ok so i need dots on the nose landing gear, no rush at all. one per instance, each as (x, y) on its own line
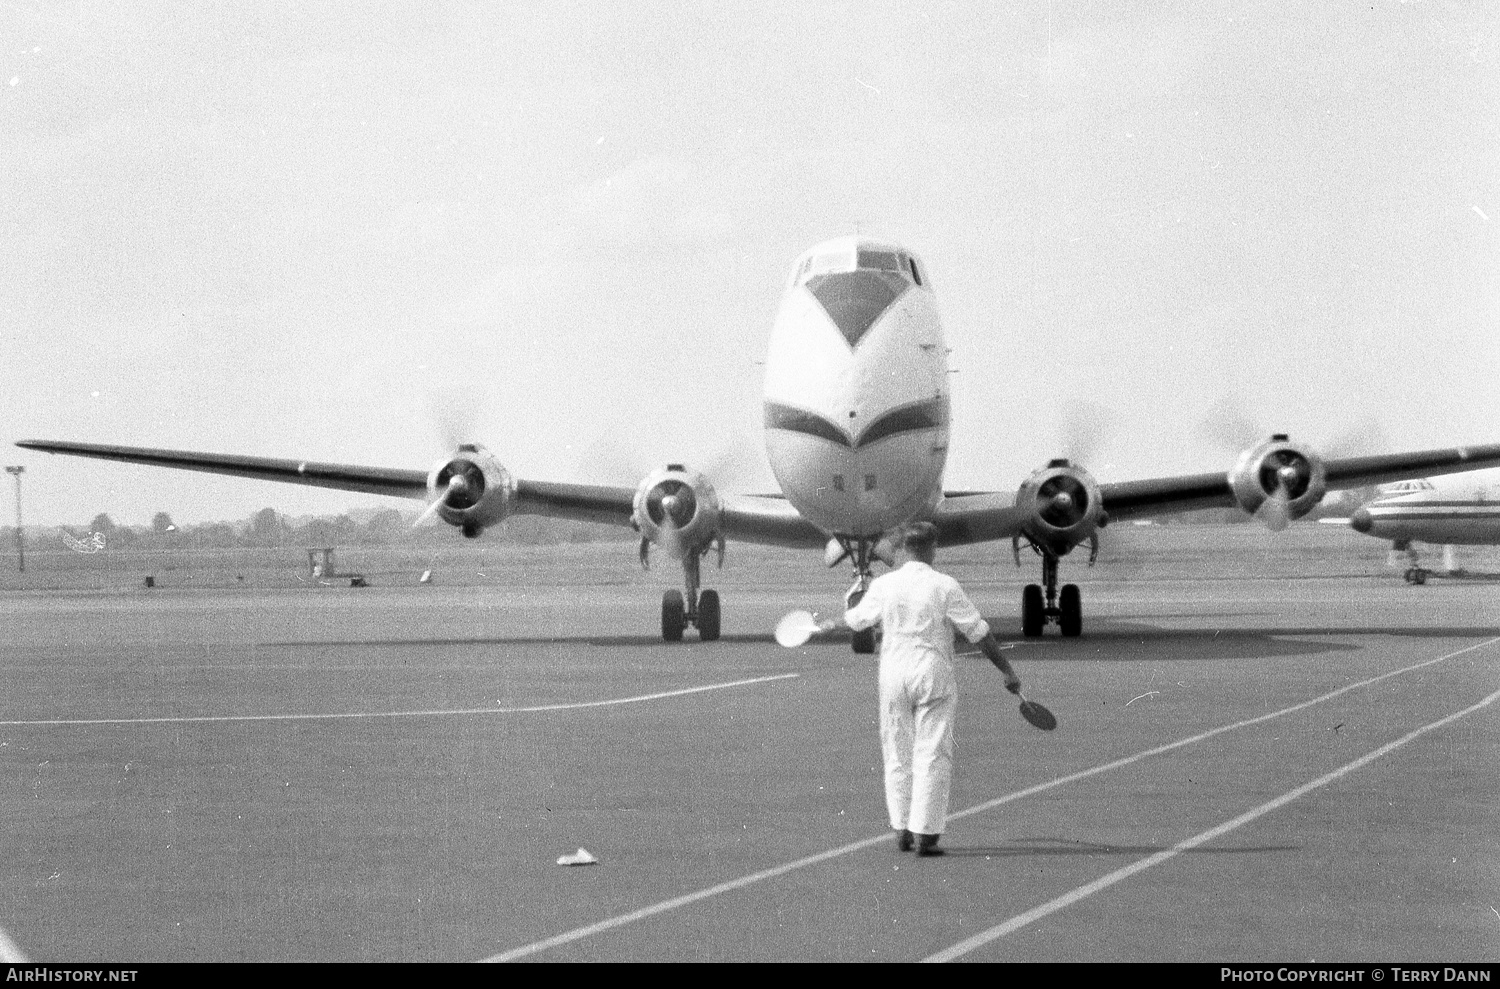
(863, 553)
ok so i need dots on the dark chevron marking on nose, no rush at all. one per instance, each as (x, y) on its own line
(854, 300)
(796, 420)
(927, 414)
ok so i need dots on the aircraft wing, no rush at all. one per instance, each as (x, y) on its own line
(1165, 495)
(748, 518)
(967, 517)
(976, 516)
(769, 520)
(369, 480)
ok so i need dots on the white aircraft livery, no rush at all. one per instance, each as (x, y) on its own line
(1457, 510)
(856, 421)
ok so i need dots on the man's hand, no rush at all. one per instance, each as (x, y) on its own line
(994, 652)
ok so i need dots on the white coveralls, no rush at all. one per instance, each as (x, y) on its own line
(917, 608)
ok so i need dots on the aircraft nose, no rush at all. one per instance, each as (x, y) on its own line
(1361, 520)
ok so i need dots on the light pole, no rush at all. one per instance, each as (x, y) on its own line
(20, 540)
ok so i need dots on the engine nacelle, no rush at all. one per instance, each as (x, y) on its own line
(471, 489)
(678, 510)
(1065, 506)
(1279, 480)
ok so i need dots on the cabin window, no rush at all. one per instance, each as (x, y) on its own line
(869, 482)
(915, 275)
(838, 482)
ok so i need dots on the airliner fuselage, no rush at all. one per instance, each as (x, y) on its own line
(1460, 509)
(856, 389)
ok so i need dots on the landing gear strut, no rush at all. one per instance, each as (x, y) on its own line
(680, 609)
(1042, 605)
(862, 552)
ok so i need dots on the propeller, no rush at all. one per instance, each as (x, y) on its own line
(1063, 501)
(1284, 476)
(671, 505)
(1228, 426)
(463, 489)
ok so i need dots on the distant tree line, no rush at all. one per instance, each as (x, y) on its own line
(389, 526)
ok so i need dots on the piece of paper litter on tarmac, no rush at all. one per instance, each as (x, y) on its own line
(580, 857)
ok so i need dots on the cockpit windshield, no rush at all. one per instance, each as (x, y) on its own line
(863, 259)
(1406, 487)
(880, 260)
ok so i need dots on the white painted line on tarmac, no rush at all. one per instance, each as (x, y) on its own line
(681, 901)
(1068, 899)
(1127, 760)
(610, 923)
(9, 953)
(404, 714)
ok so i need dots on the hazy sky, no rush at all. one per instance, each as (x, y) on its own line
(344, 231)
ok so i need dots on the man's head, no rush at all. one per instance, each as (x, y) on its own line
(918, 541)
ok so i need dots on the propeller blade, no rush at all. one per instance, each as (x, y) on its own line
(453, 411)
(1273, 512)
(1227, 425)
(670, 538)
(1363, 439)
(456, 483)
(1086, 430)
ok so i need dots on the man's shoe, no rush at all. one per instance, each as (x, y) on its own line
(927, 845)
(903, 840)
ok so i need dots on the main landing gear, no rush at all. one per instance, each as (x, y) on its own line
(1418, 574)
(679, 609)
(1041, 604)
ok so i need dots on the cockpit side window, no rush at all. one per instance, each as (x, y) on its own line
(916, 276)
(801, 275)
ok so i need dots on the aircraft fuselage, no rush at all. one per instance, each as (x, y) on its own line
(856, 389)
(1460, 509)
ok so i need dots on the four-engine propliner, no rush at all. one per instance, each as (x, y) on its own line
(857, 418)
